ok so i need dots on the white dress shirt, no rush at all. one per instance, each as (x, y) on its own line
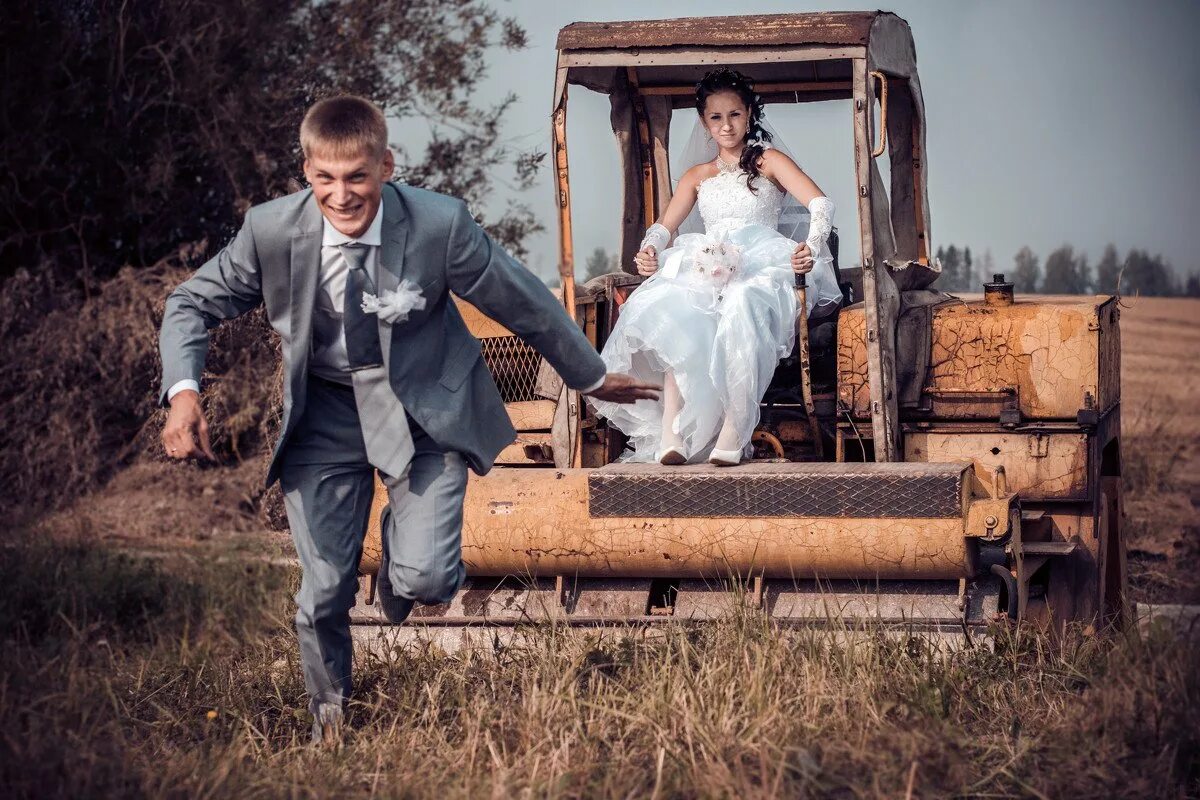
(329, 358)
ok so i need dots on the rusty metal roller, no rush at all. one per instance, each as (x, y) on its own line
(777, 520)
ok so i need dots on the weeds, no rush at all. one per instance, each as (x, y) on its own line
(1160, 524)
(131, 677)
(1152, 456)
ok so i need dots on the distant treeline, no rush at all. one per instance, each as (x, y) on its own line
(1064, 272)
(1067, 272)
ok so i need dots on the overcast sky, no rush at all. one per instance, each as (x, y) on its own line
(1063, 121)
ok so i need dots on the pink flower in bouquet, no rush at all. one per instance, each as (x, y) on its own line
(721, 273)
(718, 262)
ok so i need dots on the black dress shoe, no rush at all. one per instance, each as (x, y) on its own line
(395, 608)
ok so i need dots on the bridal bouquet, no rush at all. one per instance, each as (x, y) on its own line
(716, 263)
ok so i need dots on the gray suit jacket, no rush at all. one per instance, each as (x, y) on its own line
(434, 362)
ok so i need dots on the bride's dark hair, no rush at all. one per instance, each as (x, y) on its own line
(730, 80)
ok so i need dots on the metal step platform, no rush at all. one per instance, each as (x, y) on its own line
(771, 489)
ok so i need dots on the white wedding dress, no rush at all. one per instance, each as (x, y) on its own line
(722, 342)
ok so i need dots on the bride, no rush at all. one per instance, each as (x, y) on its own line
(718, 309)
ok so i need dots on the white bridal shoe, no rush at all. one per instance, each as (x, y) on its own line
(725, 458)
(671, 456)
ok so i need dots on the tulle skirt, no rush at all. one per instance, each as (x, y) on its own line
(721, 341)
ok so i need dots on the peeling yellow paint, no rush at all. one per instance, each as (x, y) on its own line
(1035, 465)
(1052, 352)
(542, 527)
(548, 532)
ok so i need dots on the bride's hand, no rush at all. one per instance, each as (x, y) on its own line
(802, 260)
(646, 261)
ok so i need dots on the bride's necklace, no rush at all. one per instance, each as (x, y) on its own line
(725, 166)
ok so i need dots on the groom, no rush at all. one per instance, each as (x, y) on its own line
(395, 383)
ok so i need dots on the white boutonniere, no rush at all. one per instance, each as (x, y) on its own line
(393, 305)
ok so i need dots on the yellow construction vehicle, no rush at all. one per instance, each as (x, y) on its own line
(922, 459)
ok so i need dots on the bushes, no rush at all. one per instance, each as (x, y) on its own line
(155, 123)
(79, 392)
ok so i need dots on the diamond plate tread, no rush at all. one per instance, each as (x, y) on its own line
(907, 490)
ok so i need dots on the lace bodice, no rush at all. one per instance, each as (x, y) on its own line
(727, 203)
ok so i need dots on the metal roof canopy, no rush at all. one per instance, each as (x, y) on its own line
(833, 28)
(650, 67)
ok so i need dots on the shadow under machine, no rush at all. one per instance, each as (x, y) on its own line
(926, 460)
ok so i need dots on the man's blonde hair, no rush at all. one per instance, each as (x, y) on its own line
(344, 126)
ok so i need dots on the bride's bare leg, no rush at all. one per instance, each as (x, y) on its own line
(671, 444)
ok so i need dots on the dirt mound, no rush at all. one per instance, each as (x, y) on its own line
(79, 400)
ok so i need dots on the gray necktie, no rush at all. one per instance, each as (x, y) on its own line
(380, 413)
(362, 329)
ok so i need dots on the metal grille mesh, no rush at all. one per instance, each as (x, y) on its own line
(514, 367)
(849, 492)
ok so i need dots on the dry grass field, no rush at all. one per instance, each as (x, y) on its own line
(1160, 400)
(147, 652)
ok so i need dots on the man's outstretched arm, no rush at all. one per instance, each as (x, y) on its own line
(227, 285)
(480, 272)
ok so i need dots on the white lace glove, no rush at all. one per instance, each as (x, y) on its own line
(657, 236)
(820, 210)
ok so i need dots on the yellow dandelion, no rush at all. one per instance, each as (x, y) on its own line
(212, 713)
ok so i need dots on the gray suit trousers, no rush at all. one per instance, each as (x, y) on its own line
(327, 485)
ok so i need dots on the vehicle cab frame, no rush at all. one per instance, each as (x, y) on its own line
(648, 68)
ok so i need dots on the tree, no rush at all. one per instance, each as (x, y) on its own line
(987, 267)
(156, 124)
(1148, 275)
(951, 258)
(1108, 271)
(960, 273)
(600, 263)
(1192, 287)
(1026, 272)
(1083, 275)
(1066, 274)
(1060, 267)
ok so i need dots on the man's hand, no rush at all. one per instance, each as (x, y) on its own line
(646, 260)
(621, 388)
(186, 433)
(802, 259)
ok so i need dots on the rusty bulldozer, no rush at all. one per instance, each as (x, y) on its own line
(923, 460)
